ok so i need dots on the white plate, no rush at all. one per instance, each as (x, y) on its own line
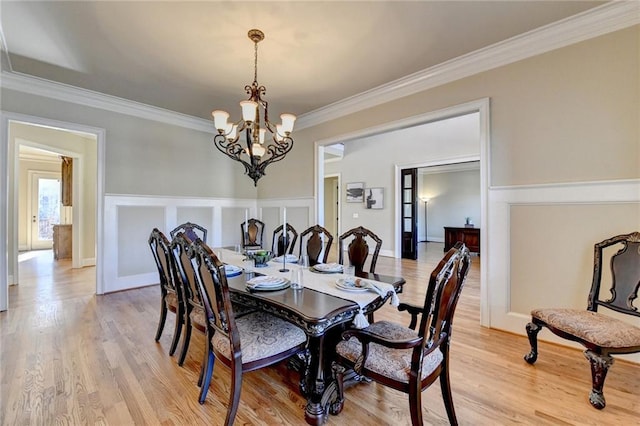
(290, 259)
(266, 281)
(232, 270)
(348, 286)
(328, 267)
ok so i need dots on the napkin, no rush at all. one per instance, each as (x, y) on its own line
(381, 288)
(290, 259)
(360, 321)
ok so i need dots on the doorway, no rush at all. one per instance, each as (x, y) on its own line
(87, 190)
(430, 155)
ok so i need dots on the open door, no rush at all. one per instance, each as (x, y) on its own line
(408, 209)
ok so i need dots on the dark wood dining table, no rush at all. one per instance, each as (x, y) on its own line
(323, 317)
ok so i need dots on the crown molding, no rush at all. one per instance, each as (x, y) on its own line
(64, 92)
(601, 20)
(592, 23)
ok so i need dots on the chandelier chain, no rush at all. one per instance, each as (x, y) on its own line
(255, 62)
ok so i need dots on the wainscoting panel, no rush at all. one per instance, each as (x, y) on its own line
(540, 246)
(128, 262)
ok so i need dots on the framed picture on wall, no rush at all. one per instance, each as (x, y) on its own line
(374, 198)
(355, 192)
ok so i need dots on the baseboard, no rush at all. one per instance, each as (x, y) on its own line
(90, 261)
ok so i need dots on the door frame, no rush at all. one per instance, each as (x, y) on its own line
(482, 107)
(9, 239)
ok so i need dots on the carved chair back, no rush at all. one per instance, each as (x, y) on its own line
(191, 230)
(162, 255)
(284, 243)
(181, 247)
(171, 290)
(625, 275)
(358, 249)
(213, 284)
(252, 233)
(318, 241)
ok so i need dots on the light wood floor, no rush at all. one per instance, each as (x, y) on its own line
(70, 357)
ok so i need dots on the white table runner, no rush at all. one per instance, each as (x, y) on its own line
(325, 283)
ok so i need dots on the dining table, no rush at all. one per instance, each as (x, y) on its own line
(322, 308)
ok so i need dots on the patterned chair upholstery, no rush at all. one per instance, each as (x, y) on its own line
(601, 335)
(242, 344)
(403, 358)
(170, 287)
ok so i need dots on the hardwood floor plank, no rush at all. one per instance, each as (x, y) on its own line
(71, 357)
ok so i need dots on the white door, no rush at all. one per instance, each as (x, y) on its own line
(45, 208)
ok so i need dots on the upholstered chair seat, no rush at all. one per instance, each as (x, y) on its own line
(592, 327)
(198, 318)
(261, 336)
(172, 299)
(389, 362)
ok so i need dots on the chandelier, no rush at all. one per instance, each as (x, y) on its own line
(253, 152)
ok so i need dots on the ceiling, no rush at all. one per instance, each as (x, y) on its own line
(194, 57)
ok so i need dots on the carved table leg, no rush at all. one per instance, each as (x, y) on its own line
(599, 367)
(315, 412)
(532, 332)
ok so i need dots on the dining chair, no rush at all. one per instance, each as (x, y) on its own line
(282, 245)
(318, 241)
(602, 335)
(403, 358)
(243, 344)
(171, 294)
(191, 230)
(358, 249)
(252, 233)
(194, 315)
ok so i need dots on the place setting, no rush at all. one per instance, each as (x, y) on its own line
(232, 270)
(327, 268)
(267, 283)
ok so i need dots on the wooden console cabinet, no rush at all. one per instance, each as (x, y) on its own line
(469, 236)
(62, 242)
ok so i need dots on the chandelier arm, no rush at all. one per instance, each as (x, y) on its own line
(231, 149)
(278, 150)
